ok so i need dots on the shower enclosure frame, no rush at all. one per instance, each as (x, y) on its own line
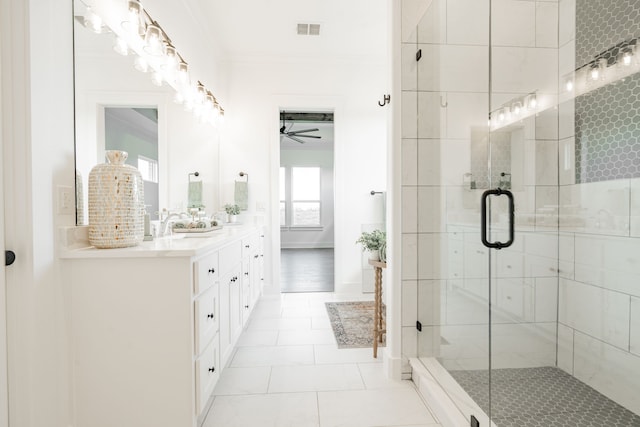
(488, 127)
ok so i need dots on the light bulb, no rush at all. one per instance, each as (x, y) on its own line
(92, 21)
(132, 23)
(141, 64)
(153, 40)
(201, 92)
(627, 56)
(531, 102)
(501, 116)
(517, 108)
(569, 85)
(121, 46)
(595, 73)
(170, 58)
(183, 73)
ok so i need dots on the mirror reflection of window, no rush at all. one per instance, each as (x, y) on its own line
(135, 130)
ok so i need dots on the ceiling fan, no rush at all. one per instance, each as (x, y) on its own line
(296, 134)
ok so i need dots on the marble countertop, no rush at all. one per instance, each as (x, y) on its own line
(74, 244)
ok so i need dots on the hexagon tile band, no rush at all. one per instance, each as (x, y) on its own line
(607, 124)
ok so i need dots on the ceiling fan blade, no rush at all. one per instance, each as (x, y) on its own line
(303, 130)
(304, 136)
(296, 139)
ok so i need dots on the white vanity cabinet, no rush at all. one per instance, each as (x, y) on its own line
(152, 327)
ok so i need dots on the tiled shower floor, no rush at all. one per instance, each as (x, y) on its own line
(543, 397)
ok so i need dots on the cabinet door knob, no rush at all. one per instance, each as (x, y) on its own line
(246, 306)
(256, 256)
(212, 270)
(9, 257)
(246, 246)
(246, 273)
(210, 316)
(212, 369)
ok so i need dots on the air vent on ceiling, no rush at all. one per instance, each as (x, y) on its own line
(308, 29)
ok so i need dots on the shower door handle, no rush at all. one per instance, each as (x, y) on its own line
(483, 215)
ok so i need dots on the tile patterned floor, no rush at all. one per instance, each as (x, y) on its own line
(287, 371)
(543, 397)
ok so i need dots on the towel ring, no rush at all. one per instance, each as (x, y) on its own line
(244, 174)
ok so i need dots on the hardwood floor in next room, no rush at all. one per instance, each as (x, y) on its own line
(287, 371)
(306, 270)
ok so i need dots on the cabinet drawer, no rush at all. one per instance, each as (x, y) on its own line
(205, 273)
(250, 244)
(207, 372)
(230, 256)
(206, 309)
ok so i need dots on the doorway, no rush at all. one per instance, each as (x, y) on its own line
(306, 183)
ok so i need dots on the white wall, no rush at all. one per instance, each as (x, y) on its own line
(259, 89)
(290, 237)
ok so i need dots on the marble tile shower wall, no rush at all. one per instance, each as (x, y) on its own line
(599, 298)
(445, 103)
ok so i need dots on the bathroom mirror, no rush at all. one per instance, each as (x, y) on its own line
(116, 107)
(109, 88)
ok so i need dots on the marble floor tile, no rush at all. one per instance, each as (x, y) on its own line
(315, 378)
(234, 381)
(365, 408)
(273, 356)
(264, 410)
(331, 354)
(300, 337)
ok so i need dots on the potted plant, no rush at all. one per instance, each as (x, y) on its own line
(232, 211)
(372, 242)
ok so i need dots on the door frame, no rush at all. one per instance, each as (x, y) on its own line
(4, 379)
(302, 103)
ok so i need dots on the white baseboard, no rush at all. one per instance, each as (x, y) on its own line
(392, 366)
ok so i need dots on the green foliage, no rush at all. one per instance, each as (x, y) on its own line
(232, 209)
(372, 241)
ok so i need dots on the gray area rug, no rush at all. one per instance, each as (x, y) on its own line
(352, 323)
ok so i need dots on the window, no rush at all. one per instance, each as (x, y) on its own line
(305, 196)
(302, 207)
(148, 169)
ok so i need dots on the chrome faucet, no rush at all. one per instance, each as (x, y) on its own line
(167, 220)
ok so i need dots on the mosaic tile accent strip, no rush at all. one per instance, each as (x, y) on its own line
(542, 397)
(607, 125)
(601, 24)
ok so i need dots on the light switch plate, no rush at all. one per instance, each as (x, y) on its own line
(66, 200)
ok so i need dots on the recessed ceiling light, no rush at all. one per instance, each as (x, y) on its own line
(303, 29)
(314, 29)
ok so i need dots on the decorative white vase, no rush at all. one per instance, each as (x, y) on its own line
(374, 255)
(116, 203)
(233, 218)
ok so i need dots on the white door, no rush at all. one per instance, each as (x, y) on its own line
(4, 404)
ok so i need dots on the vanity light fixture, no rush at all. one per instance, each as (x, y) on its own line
(137, 32)
(516, 108)
(568, 84)
(141, 64)
(92, 21)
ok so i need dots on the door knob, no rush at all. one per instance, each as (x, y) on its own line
(9, 257)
